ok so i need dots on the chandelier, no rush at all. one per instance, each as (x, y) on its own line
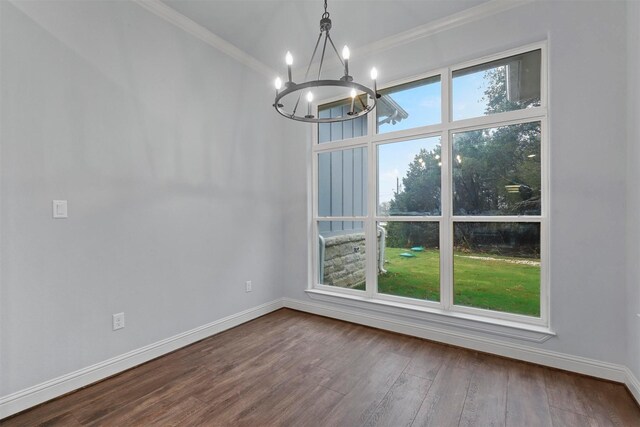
(356, 93)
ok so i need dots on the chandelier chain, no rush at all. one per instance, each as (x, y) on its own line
(324, 48)
(313, 55)
(306, 74)
(335, 50)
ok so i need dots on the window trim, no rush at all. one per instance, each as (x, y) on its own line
(445, 130)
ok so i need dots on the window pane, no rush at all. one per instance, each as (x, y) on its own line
(410, 105)
(496, 266)
(409, 177)
(342, 183)
(507, 84)
(328, 132)
(411, 259)
(497, 171)
(341, 254)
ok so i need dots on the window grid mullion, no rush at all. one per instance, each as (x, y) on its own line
(497, 218)
(493, 120)
(545, 282)
(447, 219)
(446, 228)
(408, 218)
(371, 285)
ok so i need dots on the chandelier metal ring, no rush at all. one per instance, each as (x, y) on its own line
(346, 81)
(296, 87)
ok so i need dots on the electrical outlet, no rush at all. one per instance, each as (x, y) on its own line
(248, 287)
(118, 321)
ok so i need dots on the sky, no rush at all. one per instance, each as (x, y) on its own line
(394, 160)
(423, 105)
(468, 92)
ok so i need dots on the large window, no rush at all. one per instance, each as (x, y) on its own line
(439, 200)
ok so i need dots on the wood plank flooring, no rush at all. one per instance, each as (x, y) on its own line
(295, 369)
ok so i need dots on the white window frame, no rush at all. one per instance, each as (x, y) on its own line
(446, 219)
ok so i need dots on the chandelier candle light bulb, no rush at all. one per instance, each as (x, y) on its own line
(278, 84)
(309, 101)
(345, 55)
(289, 60)
(374, 77)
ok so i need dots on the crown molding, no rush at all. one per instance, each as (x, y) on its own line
(472, 14)
(201, 33)
(476, 13)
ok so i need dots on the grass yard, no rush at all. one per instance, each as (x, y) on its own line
(417, 277)
(480, 280)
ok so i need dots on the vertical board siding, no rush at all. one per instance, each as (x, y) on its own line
(347, 186)
(328, 132)
(324, 129)
(341, 174)
(336, 128)
(347, 127)
(359, 173)
(341, 187)
(360, 126)
(336, 185)
(324, 188)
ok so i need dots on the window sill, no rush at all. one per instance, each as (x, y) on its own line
(485, 325)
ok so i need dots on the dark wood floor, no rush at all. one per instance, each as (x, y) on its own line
(295, 369)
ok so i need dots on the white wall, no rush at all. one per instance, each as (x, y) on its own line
(176, 198)
(587, 159)
(633, 187)
(167, 151)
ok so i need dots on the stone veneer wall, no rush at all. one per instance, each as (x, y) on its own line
(345, 260)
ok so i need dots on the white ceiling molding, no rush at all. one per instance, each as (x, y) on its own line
(472, 14)
(198, 31)
(475, 13)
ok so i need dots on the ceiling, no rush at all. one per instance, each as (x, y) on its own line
(266, 29)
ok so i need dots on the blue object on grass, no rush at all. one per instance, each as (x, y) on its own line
(407, 255)
(417, 248)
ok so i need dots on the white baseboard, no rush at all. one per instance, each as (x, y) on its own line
(633, 384)
(48, 390)
(581, 365)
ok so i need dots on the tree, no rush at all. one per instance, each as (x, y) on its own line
(498, 169)
(410, 234)
(495, 172)
(420, 193)
(420, 196)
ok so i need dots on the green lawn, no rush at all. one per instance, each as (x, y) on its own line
(500, 284)
(417, 277)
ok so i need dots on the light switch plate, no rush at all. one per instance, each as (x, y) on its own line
(60, 209)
